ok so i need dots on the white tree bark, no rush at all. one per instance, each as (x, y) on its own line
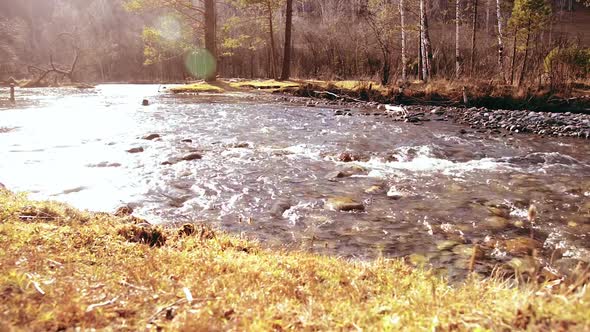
(402, 15)
(500, 41)
(457, 36)
(425, 42)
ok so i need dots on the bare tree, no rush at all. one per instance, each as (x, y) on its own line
(457, 50)
(473, 36)
(210, 34)
(425, 42)
(53, 68)
(500, 42)
(287, 51)
(402, 15)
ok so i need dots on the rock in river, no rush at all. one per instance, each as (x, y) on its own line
(123, 211)
(344, 204)
(496, 223)
(522, 246)
(135, 150)
(192, 156)
(151, 137)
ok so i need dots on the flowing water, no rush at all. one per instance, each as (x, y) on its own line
(266, 171)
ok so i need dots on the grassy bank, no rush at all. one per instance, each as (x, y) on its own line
(437, 92)
(62, 268)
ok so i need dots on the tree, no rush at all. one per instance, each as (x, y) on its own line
(200, 18)
(457, 50)
(211, 34)
(426, 51)
(500, 42)
(402, 15)
(286, 72)
(268, 7)
(528, 17)
(473, 37)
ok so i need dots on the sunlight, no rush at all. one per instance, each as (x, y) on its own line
(200, 63)
(170, 27)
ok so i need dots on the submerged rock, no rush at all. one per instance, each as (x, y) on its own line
(496, 223)
(279, 207)
(123, 211)
(522, 246)
(151, 137)
(192, 156)
(373, 190)
(446, 245)
(135, 150)
(344, 204)
(395, 194)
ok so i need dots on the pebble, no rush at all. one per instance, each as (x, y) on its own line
(344, 204)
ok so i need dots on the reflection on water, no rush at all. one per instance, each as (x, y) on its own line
(273, 163)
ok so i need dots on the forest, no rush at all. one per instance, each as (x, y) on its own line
(533, 43)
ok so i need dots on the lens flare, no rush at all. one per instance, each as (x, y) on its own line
(170, 27)
(200, 63)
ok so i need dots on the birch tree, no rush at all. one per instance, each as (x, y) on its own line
(402, 15)
(457, 37)
(500, 42)
(426, 51)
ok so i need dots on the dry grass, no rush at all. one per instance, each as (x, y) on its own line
(197, 87)
(63, 269)
(265, 84)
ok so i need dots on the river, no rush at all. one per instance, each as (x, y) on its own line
(267, 170)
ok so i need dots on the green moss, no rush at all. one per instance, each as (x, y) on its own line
(85, 270)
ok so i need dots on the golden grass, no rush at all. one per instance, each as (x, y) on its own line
(264, 84)
(61, 268)
(197, 87)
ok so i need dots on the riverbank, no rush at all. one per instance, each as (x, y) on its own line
(63, 268)
(512, 110)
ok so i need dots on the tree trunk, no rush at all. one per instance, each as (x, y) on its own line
(286, 73)
(425, 40)
(210, 35)
(420, 72)
(500, 42)
(457, 51)
(513, 56)
(473, 35)
(488, 16)
(273, 55)
(402, 15)
(526, 53)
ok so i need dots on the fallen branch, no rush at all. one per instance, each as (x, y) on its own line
(102, 304)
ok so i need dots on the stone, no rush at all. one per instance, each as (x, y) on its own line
(145, 102)
(192, 156)
(499, 211)
(446, 245)
(437, 111)
(375, 190)
(188, 140)
(279, 207)
(417, 259)
(523, 265)
(151, 137)
(333, 176)
(123, 211)
(344, 204)
(395, 194)
(135, 150)
(496, 223)
(466, 250)
(522, 246)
